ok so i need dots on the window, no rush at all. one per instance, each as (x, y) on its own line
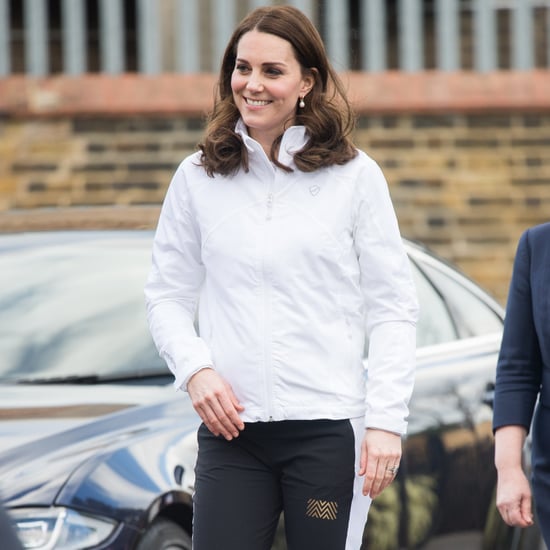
(435, 324)
(472, 315)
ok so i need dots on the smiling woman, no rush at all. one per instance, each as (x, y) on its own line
(288, 235)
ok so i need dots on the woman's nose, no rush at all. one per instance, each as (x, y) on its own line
(254, 84)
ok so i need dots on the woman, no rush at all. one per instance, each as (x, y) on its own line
(523, 376)
(288, 234)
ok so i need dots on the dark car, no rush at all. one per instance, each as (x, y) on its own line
(98, 449)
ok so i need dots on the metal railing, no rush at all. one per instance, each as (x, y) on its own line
(43, 37)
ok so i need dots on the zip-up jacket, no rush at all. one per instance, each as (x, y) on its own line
(292, 273)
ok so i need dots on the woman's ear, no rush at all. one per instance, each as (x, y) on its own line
(308, 81)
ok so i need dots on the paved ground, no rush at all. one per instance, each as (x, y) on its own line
(464, 541)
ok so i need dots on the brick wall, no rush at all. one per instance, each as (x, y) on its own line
(466, 185)
(465, 179)
(91, 161)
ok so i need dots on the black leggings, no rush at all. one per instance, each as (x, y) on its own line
(303, 468)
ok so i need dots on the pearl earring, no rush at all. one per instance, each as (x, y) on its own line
(302, 103)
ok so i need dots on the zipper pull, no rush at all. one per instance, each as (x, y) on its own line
(269, 205)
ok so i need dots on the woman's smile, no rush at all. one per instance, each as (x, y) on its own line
(256, 102)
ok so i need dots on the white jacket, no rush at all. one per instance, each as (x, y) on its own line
(292, 270)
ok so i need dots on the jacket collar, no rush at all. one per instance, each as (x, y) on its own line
(294, 138)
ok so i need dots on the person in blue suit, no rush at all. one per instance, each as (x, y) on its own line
(522, 389)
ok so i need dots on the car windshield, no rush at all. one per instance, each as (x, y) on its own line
(74, 308)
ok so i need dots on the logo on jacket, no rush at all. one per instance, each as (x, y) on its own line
(314, 189)
(321, 509)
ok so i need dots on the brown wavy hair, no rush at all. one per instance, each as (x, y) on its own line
(327, 116)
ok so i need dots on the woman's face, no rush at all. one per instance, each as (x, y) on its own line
(267, 83)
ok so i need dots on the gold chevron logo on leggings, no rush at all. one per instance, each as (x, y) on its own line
(321, 509)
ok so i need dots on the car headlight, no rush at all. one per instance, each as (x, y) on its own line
(59, 528)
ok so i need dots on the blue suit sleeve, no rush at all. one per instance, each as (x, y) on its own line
(519, 367)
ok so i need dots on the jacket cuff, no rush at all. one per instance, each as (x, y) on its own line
(382, 422)
(182, 379)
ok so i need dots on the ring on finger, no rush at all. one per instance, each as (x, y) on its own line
(393, 470)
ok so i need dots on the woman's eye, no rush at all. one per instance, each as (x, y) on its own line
(273, 72)
(242, 68)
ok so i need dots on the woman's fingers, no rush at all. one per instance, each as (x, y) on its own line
(379, 463)
(216, 404)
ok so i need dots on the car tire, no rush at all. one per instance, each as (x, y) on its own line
(165, 535)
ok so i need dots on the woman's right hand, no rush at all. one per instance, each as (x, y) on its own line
(217, 405)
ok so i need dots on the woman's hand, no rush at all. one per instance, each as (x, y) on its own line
(380, 456)
(217, 405)
(513, 489)
(514, 497)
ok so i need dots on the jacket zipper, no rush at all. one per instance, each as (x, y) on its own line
(269, 206)
(267, 312)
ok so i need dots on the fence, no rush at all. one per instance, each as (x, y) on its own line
(44, 37)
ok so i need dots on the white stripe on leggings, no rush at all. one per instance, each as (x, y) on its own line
(360, 504)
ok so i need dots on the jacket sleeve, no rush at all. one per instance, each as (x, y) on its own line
(519, 367)
(391, 304)
(174, 283)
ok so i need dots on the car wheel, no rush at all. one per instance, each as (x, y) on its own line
(165, 535)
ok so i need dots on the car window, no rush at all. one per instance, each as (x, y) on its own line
(435, 324)
(75, 310)
(472, 315)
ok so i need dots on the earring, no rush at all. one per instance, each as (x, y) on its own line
(302, 103)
